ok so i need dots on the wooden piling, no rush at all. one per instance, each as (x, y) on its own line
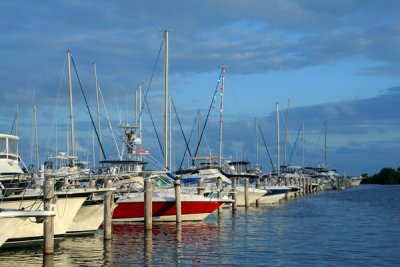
(246, 193)
(148, 204)
(234, 204)
(200, 187)
(108, 201)
(258, 186)
(219, 190)
(48, 228)
(177, 184)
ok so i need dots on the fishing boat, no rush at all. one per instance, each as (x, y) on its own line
(16, 195)
(194, 207)
(11, 220)
(239, 170)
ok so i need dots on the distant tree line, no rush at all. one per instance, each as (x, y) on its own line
(385, 176)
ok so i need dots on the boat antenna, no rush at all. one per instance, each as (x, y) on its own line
(15, 123)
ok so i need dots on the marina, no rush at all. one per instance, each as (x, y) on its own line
(132, 161)
(332, 228)
(135, 188)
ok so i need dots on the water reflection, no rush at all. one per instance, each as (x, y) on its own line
(48, 260)
(148, 247)
(107, 252)
(331, 228)
(166, 243)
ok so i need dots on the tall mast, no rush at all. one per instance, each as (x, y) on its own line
(286, 130)
(36, 139)
(140, 112)
(303, 143)
(16, 121)
(71, 118)
(136, 109)
(170, 136)
(98, 108)
(166, 108)
(325, 150)
(221, 110)
(256, 122)
(277, 140)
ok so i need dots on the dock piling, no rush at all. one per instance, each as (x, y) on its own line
(108, 200)
(148, 204)
(177, 184)
(246, 193)
(234, 204)
(48, 228)
(219, 189)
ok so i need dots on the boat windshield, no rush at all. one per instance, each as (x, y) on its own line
(3, 145)
(12, 146)
(161, 181)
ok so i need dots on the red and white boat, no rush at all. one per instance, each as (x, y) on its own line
(194, 207)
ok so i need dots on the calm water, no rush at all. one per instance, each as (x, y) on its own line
(356, 227)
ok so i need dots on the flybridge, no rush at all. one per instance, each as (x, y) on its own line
(9, 155)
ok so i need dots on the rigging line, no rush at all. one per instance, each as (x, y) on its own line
(147, 104)
(295, 143)
(265, 144)
(208, 114)
(151, 79)
(154, 126)
(109, 122)
(190, 137)
(180, 125)
(87, 106)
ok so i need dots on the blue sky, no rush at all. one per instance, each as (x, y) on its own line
(335, 61)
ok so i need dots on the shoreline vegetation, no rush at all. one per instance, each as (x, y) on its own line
(385, 176)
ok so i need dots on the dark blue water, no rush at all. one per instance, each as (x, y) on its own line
(356, 227)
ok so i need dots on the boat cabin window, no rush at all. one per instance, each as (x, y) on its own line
(12, 146)
(3, 145)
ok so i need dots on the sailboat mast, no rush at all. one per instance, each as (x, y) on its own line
(166, 104)
(140, 113)
(221, 111)
(170, 135)
(36, 139)
(325, 149)
(257, 152)
(98, 107)
(16, 121)
(286, 130)
(303, 143)
(277, 141)
(71, 118)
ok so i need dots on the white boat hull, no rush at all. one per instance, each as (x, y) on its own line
(9, 226)
(271, 199)
(65, 210)
(88, 219)
(254, 195)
